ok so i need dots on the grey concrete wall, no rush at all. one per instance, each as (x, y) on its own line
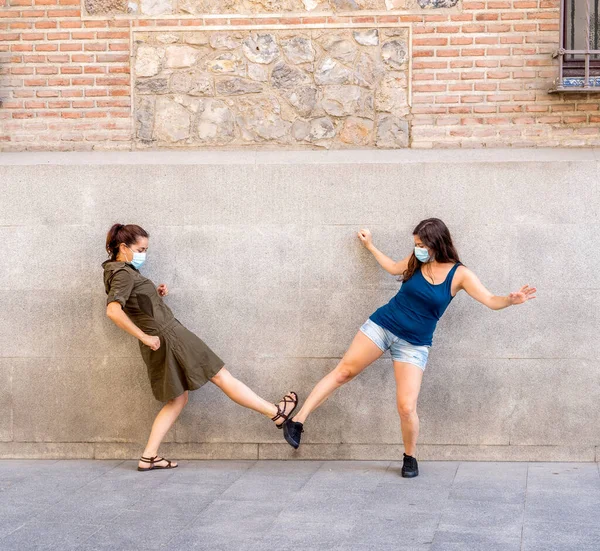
(260, 254)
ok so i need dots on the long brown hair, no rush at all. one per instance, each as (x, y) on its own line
(436, 235)
(119, 233)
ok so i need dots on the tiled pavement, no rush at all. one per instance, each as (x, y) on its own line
(300, 505)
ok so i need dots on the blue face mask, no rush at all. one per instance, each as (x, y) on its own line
(422, 254)
(138, 259)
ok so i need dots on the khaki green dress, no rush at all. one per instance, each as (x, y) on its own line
(183, 361)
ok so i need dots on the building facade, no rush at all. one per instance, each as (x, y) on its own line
(298, 74)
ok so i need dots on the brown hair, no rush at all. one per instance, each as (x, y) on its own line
(436, 235)
(119, 233)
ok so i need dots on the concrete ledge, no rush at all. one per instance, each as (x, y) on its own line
(429, 452)
(244, 157)
(324, 452)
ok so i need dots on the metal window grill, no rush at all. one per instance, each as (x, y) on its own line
(579, 51)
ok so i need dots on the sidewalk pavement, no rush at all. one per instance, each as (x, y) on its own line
(299, 505)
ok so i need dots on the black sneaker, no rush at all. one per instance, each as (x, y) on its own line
(292, 433)
(410, 468)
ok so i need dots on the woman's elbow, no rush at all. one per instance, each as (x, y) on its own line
(112, 310)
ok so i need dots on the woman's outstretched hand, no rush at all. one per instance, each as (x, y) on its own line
(365, 237)
(523, 295)
(162, 290)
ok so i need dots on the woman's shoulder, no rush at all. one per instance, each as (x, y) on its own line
(462, 273)
(112, 267)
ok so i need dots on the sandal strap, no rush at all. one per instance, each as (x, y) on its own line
(281, 412)
(148, 459)
(155, 459)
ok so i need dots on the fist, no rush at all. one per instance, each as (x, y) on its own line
(162, 290)
(365, 237)
(152, 341)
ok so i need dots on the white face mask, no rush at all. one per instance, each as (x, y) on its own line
(422, 254)
(138, 259)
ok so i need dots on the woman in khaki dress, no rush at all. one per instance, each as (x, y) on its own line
(177, 360)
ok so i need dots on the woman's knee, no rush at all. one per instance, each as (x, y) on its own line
(406, 408)
(344, 372)
(181, 400)
(220, 376)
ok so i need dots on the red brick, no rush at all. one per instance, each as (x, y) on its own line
(32, 36)
(82, 58)
(487, 16)
(112, 58)
(447, 29)
(111, 34)
(83, 35)
(430, 41)
(20, 25)
(473, 28)
(461, 41)
(72, 70)
(200, 22)
(64, 13)
(46, 70)
(94, 46)
(71, 47)
(82, 81)
(35, 82)
(46, 94)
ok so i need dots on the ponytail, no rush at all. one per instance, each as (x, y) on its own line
(120, 233)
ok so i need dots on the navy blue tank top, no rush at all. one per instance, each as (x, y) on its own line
(414, 312)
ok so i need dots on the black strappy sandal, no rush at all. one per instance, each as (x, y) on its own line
(281, 413)
(153, 460)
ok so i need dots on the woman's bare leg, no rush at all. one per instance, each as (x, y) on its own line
(361, 354)
(408, 386)
(242, 395)
(162, 423)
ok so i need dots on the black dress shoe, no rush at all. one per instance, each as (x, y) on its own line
(292, 433)
(410, 468)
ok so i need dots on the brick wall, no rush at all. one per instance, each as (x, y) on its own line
(480, 73)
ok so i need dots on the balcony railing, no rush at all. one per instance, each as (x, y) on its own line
(579, 51)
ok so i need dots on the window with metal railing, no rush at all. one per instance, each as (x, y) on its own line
(579, 50)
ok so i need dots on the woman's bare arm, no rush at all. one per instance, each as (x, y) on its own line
(391, 266)
(474, 288)
(115, 312)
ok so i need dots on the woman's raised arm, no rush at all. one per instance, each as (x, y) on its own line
(474, 288)
(391, 266)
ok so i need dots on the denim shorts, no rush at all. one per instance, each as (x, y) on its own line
(401, 350)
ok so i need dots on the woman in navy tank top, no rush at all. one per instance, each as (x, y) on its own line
(432, 275)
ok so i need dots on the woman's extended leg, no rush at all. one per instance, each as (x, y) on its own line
(163, 422)
(241, 394)
(361, 354)
(408, 385)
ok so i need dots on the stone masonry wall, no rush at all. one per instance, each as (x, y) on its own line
(331, 88)
(475, 73)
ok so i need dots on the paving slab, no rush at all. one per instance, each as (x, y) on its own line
(249, 505)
